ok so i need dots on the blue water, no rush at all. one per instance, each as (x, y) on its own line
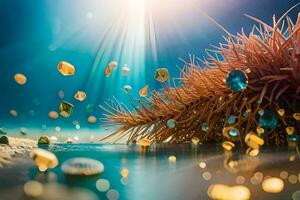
(36, 35)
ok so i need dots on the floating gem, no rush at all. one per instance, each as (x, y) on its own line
(195, 140)
(171, 123)
(204, 127)
(82, 167)
(127, 88)
(252, 152)
(260, 130)
(124, 172)
(253, 141)
(89, 108)
(296, 116)
(144, 91)
(292, 138)
(13, 113)
(125, 70)
(231, 119)
(20, 79)
(273, 185)
(227, 145)
(268, 121)
(237, 80)
(281, 112)
(53, 115)
(161, 75)
(65, 109)
(261, 112)
(92, 119)
(43, 159)
(230, 132)
(65, 68)
(107, 71)
(172, 159)
(144, 142)
(80, 95)
(113, 65)
(290, 130)
(44, 140)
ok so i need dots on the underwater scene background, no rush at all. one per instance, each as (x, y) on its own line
(142, 34)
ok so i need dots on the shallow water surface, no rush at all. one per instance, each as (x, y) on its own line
(153, 176)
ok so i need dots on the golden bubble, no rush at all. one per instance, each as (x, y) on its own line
(202, 165)
(20, 79)
(252, 152)
(292, 158)
(296, 116)
(293, 179)
(65, 68)
(172, 159)
(206, 176)
(80, 95)
(33, 188)
(124, 172)
(227, 145)
(195, 140)
(13, 113)
(53, 115)
(224, 192)
(281, 112)
(102, 185)
(290, 130)
(92, 119)
(273, 185)
(144, 142)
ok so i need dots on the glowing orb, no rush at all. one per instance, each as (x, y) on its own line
(161, 75)
(20, 79)
(273, 185)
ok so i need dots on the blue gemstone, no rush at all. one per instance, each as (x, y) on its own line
(261, 112)
(237, 80)
(233, 132)
(293, 138)
(204, 127)
(268, 121)
(171, 123)
(231, 119)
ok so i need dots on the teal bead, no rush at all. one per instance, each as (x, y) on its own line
(268, 121)
(171, 123)
(204, 127)
(237, 80)
(233, 132)
(231, 119)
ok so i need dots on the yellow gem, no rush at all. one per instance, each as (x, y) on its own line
(252, 152)
(172, 158)
(80, 95)
(144, 91)
(227, 145)
(260, 130)
(65, 68)
(65, 108)
(20, 79)
(281, 112)
(253, 141)
(144, 142)
(290, 130)
(248, 70)
(124, 172)
(296, 116)
(195, 140)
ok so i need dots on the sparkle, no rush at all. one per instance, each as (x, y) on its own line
(237, 80)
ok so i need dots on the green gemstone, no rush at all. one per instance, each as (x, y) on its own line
(268, 121)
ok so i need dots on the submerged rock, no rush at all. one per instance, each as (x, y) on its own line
(4, 140)
(44, 140)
